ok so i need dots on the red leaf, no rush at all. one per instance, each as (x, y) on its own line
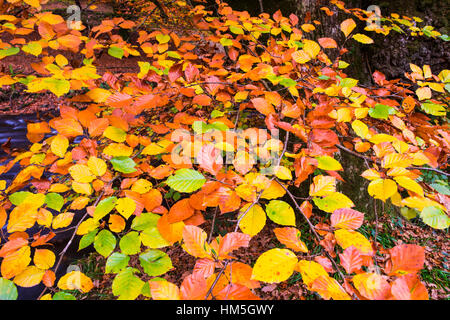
(194, 287)
(405, 258)
(409, 287)
(233, 241)
(351, 260)
(347, 218)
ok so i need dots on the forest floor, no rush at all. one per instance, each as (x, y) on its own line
(391, 230)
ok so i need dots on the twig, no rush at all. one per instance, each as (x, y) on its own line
(311, 226)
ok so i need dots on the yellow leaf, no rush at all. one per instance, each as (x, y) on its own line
(301, 56)
(29, 277)
(22, 217)
(75, 280)
(126, 207)
(423, 93)
(371, 174)
(328, 163)
(381, 137)
(396, 160)
(312, 48)
(328, 288)
(118, 150)
(141, 186)
(253, 221)
(58, 188)
(97, 166)
(310, 271)
(156, 148)
(346, 238)
(115, 134)
(362, 38)
(44, 258)
(44, 217)
(322, 186)
(62, 220)
(360, 128)
(283, 173)
(81, 173)
(87, 226)
(15, 262)
(83, 188)
(61, 60)
(274, 266)
(420, 203)
(382, 188)
(98, 95)
(59, 145)
(274, 191)
(409, 184)
(347, 26)
(164, 290)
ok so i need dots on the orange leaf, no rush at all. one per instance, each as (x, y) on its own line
(194, 239)
(194, 287)
(347, 218)
(68, 127)
(233, 241)
(409, 287)
(290, 237)
(180, 211)
(405, 258)
(351, 259)
(263, 106)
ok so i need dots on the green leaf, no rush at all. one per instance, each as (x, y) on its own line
(123, 164)
(105, 242)
(151, 238)
(18, 197)
(104, 207)
(343, 64)
(116, 262)
(332, 202)
(9, 52)
(348, 83)
(61, 295)
(130, 243)
(441, 187)
(8, 290)
(54, 201)
(328, 163)
(144, 221)
(155, 262)
(216, 114)
(126, 285)
(115, 52)
(236, 30)
(435, 217)
(87, 239)
(362, 38)
(115, 134)
(186, 180)
(434, 109)
(280, 212)
(226, 42)
(162, 38)
(408, 213)
(381, 111)
(288, 82)
(57, 86)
